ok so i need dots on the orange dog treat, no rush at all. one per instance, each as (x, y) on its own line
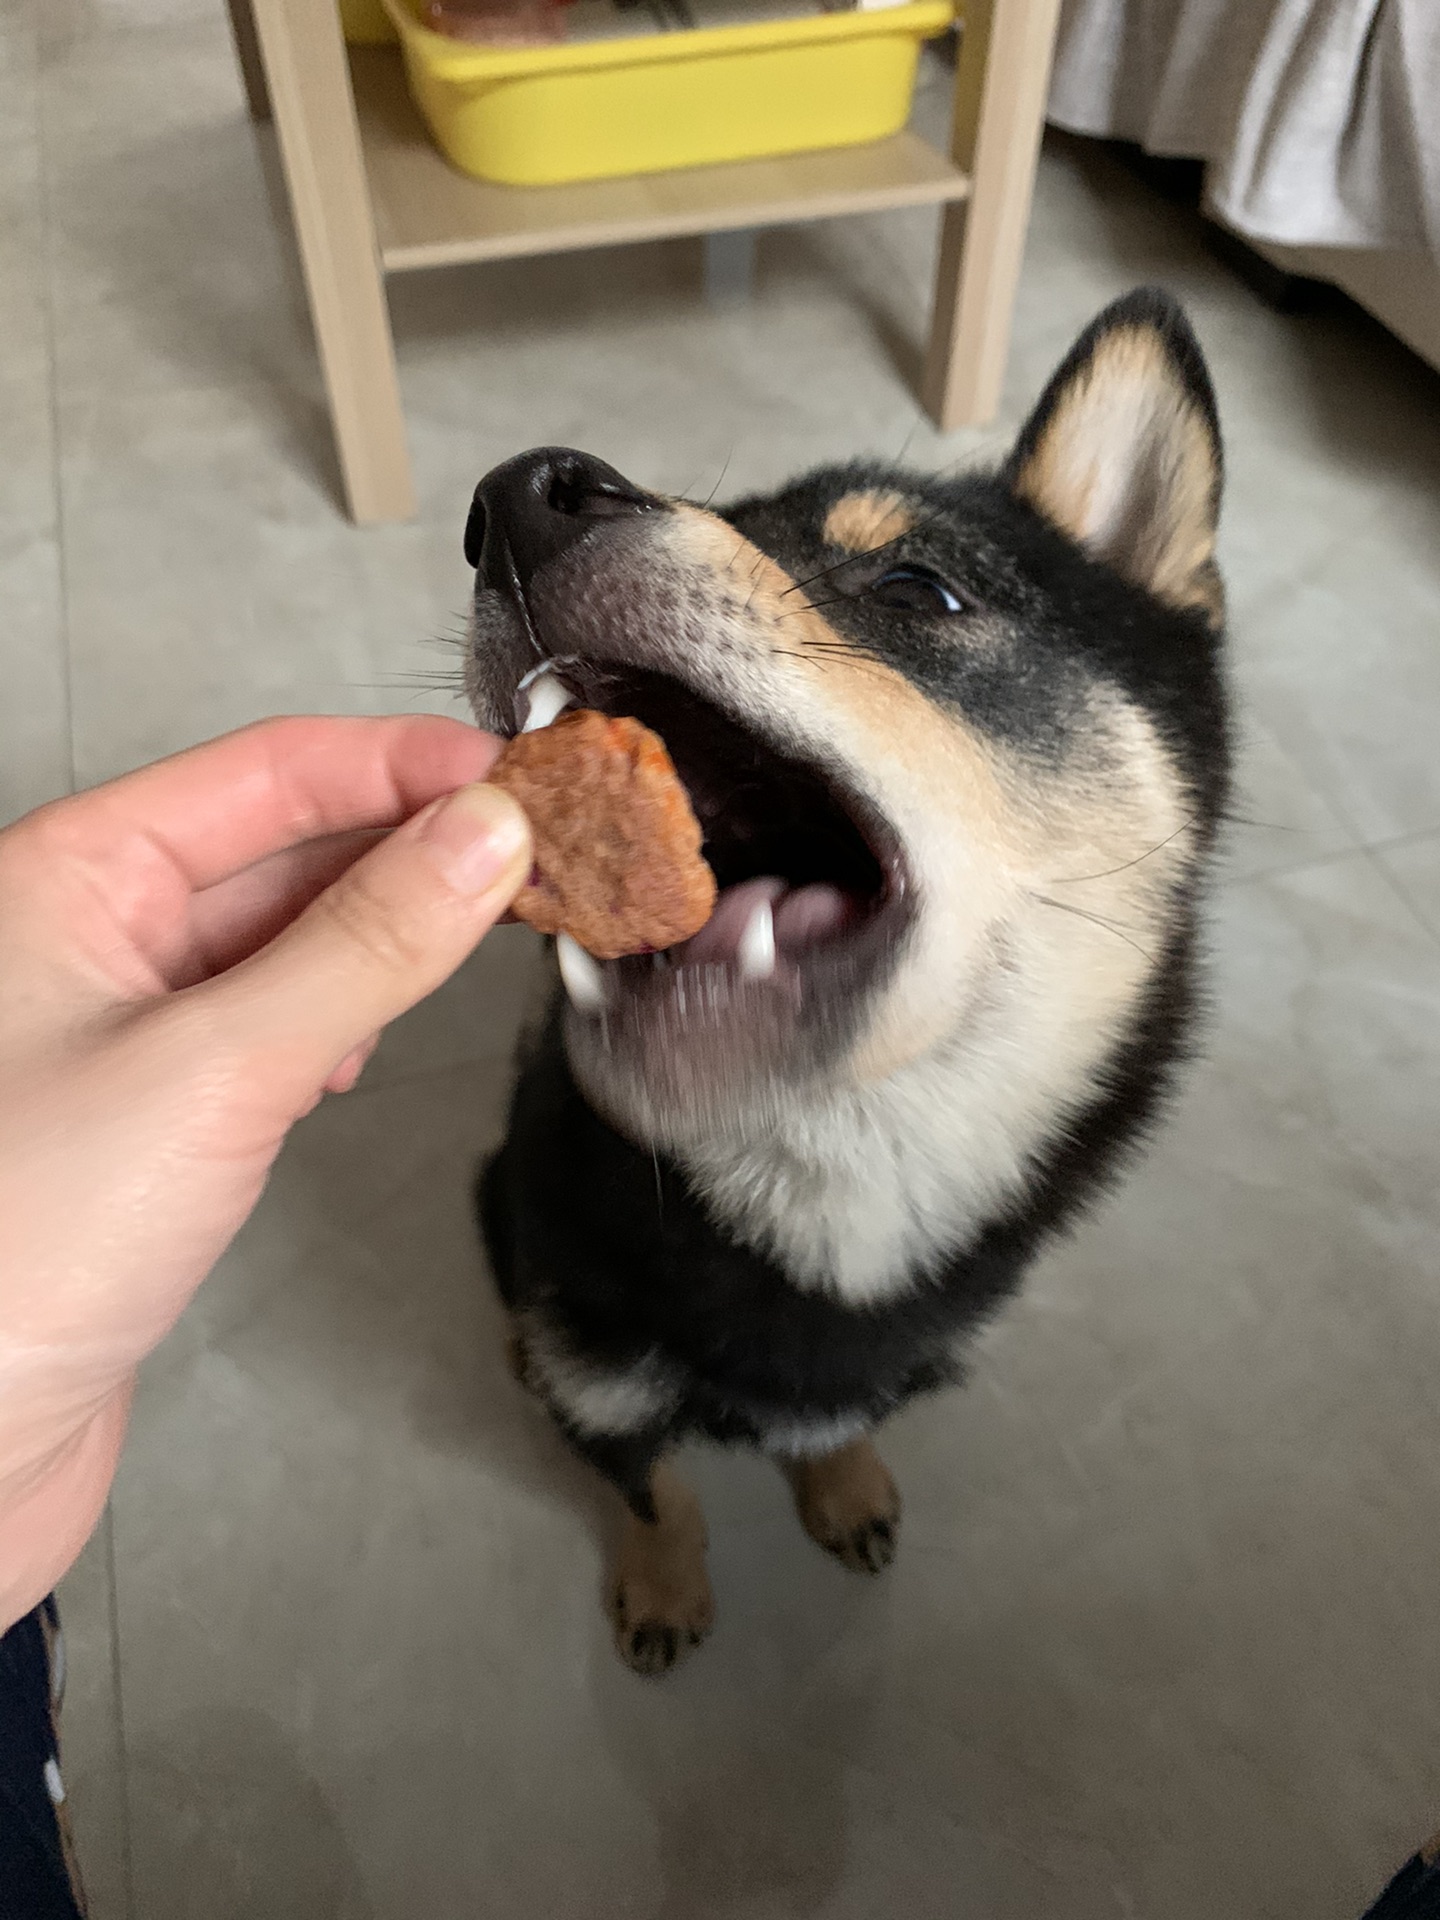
(617, 847)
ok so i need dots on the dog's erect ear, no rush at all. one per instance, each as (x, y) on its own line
(1123, 451)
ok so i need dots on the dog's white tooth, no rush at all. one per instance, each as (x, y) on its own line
(584, 982)
(756, 951)
(548, 700)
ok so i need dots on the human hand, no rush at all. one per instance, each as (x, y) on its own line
(189, 957)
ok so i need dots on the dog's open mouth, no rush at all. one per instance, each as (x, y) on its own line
(807, 873)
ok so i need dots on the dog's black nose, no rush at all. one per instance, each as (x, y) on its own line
(530, 509)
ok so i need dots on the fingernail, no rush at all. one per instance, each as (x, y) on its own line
(476, 836)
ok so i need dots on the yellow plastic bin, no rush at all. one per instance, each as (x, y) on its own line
(366, 23)
(589, 110)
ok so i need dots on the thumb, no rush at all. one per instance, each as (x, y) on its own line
(387, 932)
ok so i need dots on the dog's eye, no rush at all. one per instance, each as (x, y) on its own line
(915, 590)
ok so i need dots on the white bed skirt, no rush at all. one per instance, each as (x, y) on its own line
(1320, 118)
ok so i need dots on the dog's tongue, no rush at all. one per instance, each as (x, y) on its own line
(798, 917)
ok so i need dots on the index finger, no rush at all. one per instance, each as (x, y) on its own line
(216, 809)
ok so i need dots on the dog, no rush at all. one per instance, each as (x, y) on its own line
(959, 748)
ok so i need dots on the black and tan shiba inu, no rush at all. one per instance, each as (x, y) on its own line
(959, 750)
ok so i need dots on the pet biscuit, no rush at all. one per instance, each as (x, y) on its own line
(617, 847)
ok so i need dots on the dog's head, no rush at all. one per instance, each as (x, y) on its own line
(957, 745)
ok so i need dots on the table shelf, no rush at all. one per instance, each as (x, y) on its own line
(371, 196)
(429, 215)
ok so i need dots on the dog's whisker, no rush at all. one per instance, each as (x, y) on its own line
(519, 600)
(1269, 826)
(1079, 879)
(721, 481)
(785, 653)
(1097, 919)
(439, 671)
(822, 644)
(849, 561)
(852, 559)
(406, 684)
(815, 649)
(905, 443)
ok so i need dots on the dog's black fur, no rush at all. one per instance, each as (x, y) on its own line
(614, 1243)
(597, 1224)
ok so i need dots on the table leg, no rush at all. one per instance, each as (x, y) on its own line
(247, 52)
(1000, 92)
(308, 79)
(729, 267)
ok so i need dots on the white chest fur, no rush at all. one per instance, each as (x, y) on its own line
(862, 1191)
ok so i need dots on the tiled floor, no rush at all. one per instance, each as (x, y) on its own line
(1164, 1638)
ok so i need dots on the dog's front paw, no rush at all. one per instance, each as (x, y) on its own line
(660, 1623)
(868, 1548)
(660, 1601)
(849, 1505)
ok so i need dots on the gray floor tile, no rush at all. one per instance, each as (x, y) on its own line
(1161, 1638)
(211, 580)
(1342, 668)
(1277, 817)
(168, 266)
(1190, 1458)
(19, 58)
(93, 1750)
(34, 716)
(1330, 440)
(23, 291)
(475, 1018)
(612, 351)
(1414, 867)
(387, 1433)
(62, 24)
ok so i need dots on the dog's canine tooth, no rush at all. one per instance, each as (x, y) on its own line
(580, 971)
(756, 951)
(548, 699)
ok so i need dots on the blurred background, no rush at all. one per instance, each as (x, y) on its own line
(1162, 1639)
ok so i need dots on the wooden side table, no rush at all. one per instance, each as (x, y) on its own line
(371, 196)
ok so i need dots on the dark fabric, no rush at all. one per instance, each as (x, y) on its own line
(1414, 1893)
(36, 1860)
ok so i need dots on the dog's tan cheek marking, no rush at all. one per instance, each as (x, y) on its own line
(1014, 817)
(860, 522)
(661, 1604)
(942, 786)
(878, 710)
(849, 1505)
(1043, 849)
(700, 540)
(927, 768)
